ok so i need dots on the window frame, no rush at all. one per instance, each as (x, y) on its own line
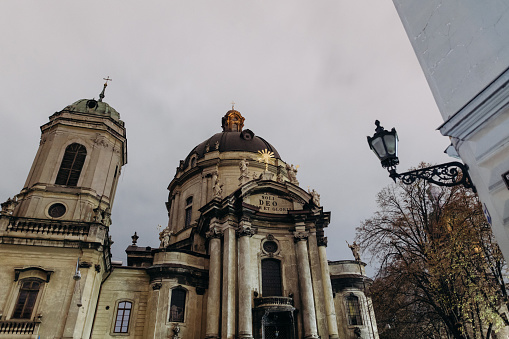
(35, 305)
(270, 259)
(186, 298)
(61, 170)
(115, 316)
(357, 303)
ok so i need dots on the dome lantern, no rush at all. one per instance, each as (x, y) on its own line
(233, 121)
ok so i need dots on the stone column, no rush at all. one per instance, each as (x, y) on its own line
(327, 288)
(214, 291)
(229, 283)
(244, 232)
(306, 285)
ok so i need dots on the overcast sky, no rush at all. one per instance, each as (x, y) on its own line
(310, 77)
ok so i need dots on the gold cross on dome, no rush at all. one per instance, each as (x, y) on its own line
(233, 104)
(107, 79)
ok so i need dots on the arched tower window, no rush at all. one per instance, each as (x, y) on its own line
(189, 211)
(26, 299)
(177, 305)
(353, 310)
(123, 315)
(72, 163)
(271, 278)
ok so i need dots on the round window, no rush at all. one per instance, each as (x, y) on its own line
(56, 210)
(270, 246)
(91, 104)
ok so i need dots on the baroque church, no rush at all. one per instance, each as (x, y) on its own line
(243, 254)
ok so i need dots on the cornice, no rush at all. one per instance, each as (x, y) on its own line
(486, 105)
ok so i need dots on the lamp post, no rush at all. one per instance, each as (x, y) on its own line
(385, 146)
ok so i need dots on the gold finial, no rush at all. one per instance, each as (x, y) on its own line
(233, 105)
(265, 156)
(101, 96)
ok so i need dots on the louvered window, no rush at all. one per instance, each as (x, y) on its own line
(123, 316)
(354, 310)
(72, 163)
(26, 300)
(271, 278)
(177, 305)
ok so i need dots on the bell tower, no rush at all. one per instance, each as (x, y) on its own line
(76, 169)
(54, 234)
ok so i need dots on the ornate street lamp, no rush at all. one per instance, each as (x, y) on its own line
(385, 145)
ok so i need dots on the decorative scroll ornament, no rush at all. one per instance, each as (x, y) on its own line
(99, 140)
(449, 174)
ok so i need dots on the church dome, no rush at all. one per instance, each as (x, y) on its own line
(92, 106)
(232, 139)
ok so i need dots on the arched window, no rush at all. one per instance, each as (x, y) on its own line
(353, 310)
(72, 163)
(177, 305)
(123, 315)
(189, 211)
(26, 299)
(271, 278)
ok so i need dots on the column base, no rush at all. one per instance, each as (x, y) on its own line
(213, 336)
(334, 336)
(245, 336)
(312, 336)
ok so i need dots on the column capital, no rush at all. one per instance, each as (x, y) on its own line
(245, 229)
(300, 235)
(214, 232)
(322, 241)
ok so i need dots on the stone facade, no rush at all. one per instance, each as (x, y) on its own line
(243, 254)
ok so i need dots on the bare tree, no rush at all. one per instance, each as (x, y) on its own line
(441, 273)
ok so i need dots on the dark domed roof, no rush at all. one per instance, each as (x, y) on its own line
(231, 140)
(244, 141)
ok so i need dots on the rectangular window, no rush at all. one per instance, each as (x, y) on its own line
(354, 310)
(26, 300)
(177, 305)
(123, 316)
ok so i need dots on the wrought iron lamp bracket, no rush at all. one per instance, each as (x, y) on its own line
(449, 174)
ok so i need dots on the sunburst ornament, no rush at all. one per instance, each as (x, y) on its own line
(265, 156)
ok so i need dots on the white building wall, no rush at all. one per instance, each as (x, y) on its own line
(462, 45)
(463, 49)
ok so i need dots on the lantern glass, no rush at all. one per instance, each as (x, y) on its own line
(377, 145)
(391, 144)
